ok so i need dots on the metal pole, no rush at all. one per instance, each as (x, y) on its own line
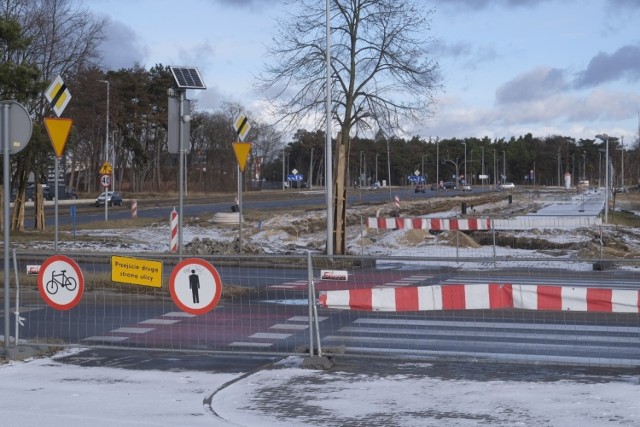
(622, 161)
(504, 166)
(239, 210)
(389, 167)
(6, 196)
(55, 207)
(181, 171)
(437, 166)
(328, 173)
(106, 153)
(465, 163)
(482, 180)
(606, 181)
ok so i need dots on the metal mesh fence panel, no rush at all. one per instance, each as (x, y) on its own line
(572, 311)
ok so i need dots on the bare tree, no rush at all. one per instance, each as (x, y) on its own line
(382, 73)
(62, 40)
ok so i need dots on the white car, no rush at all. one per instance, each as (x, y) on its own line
(507, 186)
(466, 187)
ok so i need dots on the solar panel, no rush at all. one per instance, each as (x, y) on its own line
(187, 78)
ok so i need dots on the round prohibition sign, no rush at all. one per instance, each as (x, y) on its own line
(105, 180)
(60, 282)
(195, 286)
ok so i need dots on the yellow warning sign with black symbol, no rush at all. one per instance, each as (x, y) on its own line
(105, 169)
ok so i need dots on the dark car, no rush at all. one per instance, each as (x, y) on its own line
(451, 185)
(70, 193)
(114, 198)
(420, 188)
(30, 193)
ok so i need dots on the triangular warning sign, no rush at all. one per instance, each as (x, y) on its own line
(242, 150)
(58, 130)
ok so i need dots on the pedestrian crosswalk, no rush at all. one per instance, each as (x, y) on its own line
(302, 284)
(494, 340)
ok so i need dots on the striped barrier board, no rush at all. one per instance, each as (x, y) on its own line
(436, 224)
(484, 297)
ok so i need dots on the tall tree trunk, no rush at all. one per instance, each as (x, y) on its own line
(340, 194)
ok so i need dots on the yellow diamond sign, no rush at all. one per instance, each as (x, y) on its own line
(58, 130)
(58, 95)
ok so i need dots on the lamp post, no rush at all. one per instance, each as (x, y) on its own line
(437, 166)
(482, 180)
(504, 166)
(605, 138)
(465, 163)
(423, 156)
(622, 162)
(377, 167)
(106, 153)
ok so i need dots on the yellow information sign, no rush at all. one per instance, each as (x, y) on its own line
(58, 130)
(136, 271)
(242, 150)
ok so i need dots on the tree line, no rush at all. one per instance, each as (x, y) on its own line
(525, 160)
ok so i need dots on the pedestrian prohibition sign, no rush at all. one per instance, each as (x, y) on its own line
(195, 286)
(60, 282)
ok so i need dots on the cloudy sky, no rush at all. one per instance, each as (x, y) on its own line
(509, 67)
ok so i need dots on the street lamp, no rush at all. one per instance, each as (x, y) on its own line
(106, 153)
(423, 156)
(622, 162)
(465, 163)
(482, 179)
(377, 167)
(605, 138)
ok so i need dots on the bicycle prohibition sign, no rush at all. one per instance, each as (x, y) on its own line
(58, 272)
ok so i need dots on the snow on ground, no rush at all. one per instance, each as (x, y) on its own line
(300, 232)
(45, 391)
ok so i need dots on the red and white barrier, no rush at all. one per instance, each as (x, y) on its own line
(436, 224)
(174, 231)
(134, 208)
(484, 296)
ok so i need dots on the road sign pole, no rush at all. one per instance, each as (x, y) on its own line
(5, 157)
(55, 207)
(181, 170)
(239, 210)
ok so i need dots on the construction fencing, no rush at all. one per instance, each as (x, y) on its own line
(493, 308)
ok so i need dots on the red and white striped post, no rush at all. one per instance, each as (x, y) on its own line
(397, 202)
(174, 230)
(134, 208)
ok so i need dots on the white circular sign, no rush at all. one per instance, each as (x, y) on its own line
(195, 286)
(60, 282)
(105, 180)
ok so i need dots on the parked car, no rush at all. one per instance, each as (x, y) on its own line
(374, 186)
(70, 193)
(450, 185)
(113, 198)
(30, 193)
(420, 188)
(466, 187)
(507, 186)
